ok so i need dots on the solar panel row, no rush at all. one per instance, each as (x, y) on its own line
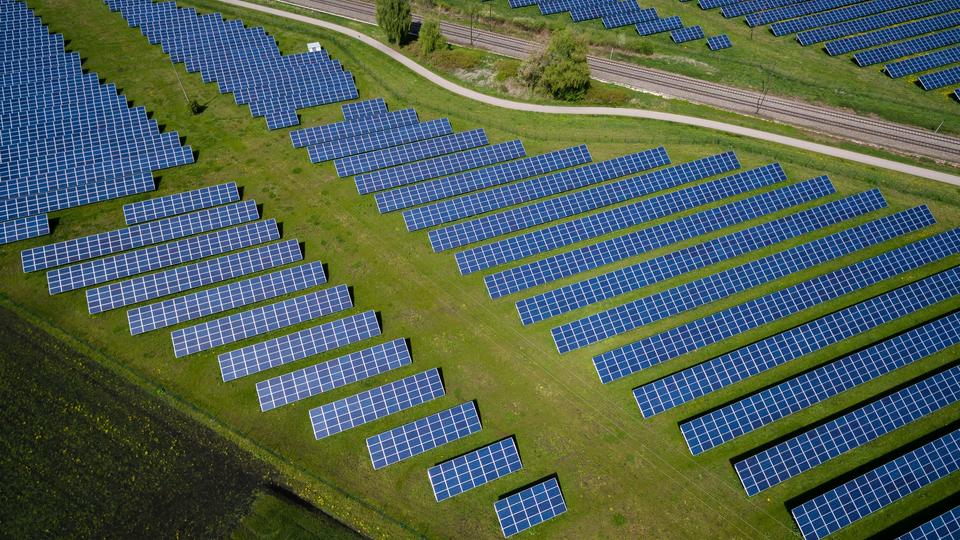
(946, 526)
(657, 26)
(479, 467)
(831, 17)
(906, 48)
(924, 62)
(530, 507)
(872, 22)
(939, 79)
(367, 107)
(347, 129)
(422, 435)
(717, 43)
(24, 228)
(378, 140)
(180, 203)
(688, 33)
(893, 33)
(407, 153)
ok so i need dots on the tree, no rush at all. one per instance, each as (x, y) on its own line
(561, 69)
(395, 18)
(431, 39)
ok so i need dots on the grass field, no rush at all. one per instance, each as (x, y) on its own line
(622, 476)
(757, 60)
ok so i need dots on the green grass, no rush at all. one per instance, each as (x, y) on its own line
(622, 476)
(275, 515)
(757, 60)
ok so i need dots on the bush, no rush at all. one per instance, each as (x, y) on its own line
(561, 69)
(430, 38)
(395, 18)
(507, 69)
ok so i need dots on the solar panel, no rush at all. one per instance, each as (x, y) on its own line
(588, 12)
(422, 435)
(794, 11)
(74, 196)
(894, 33)
(144, 234)
(439, 166)
(616, 249)
(626, 18)
(688, 33)
(923, 63)
(368, 107)
(939, 79)
(873, 22)
(776, 350)
(479, 467)
(630, 278)
(376, 141)
(434, 190)
(224, 298)
(180, 203)
(878, 487)
(594, 225)
(765, 407)
(530, 507)
(527, 190)
(852, 430)
(657, 26)
(292, 347)
(407, 153)
(946, 526)
(24, 228)
(245, 324)
(336, 373)
(719, 42)
(376, 403)
(131, 263)
(657, 349)
(632, 315)
(313, 136)
(182, 278)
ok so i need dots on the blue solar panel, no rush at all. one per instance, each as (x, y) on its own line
(407, 153)
(626, 18)
(657, 349)
(939, 79)
(873, 22)
(132, 263)
(439, 166)
(182, 278)
(630, 278)
(422, 435)
(336, 373)
(292, 347)
(616, 249)
(180, 203)
(794, 11)
(688, 33)
(376, 403)
(24, 228)
(694, 294)
(479, 467)
(240, 326)
(879, 487)
(657, 26)
(376, 141)
(909, 47)
(894, 33)
(475, 180)
(776, 350)
(528, 190)
(588, 12)
(144, 234)
(369, 107)
(852, 430)
(352, 128)
(592, 226)
(923, 63)
(530, 507)
(716, 43)
(757, 410)
(224, 298)
(74, 196)
(946, 526)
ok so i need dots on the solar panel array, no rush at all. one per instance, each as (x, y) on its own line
(530, 507)
(906, 48)
(852, 430)
(352, 128)
(895, 33)
(422, 435)
(378, 140)
(180, 203)
(879, 487)
(758, 357)
(243, 61)
(629, 278)
(646, 310)
(680, 340)
(946, 526)
(717, 43)
(939, 79)
(67, 140)
(398, 155)
(688, 33)
(479, 467)
(657, 26)
(332, 374)
(757, 410)
(924, 62)
(358, 409)
(873, 22)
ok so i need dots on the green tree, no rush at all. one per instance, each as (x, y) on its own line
(395, 18)
(430, 38)
(560, 69)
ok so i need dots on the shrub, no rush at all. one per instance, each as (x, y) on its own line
(395, 18)
(431, 39)
(561, 69)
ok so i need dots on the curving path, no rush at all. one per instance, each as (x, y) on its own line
(608, 111)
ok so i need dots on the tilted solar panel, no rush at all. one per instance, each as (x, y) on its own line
(689, 33)
(479, 467)
(946, 526)
(368, 107)
(906, 48)
(923, 62)
(530, 507)
(422, 435)
(880, 20)
(408, 153)
(24, 228)
(376, 141)
(717, 43)
(313, 136)
(894, 33)
(180, 203)
(657, 26)
(74, 196)
(939, 79)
